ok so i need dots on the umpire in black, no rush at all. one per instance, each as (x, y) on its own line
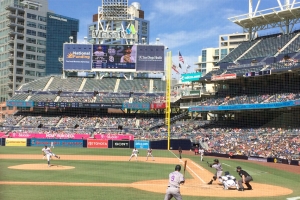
(246, 178)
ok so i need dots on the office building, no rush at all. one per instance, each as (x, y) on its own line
(30, 36)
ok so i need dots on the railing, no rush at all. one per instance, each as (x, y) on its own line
(190, 104)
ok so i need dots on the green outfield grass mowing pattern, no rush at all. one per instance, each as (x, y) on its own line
(116, 172)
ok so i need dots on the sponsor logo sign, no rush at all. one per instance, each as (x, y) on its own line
(158, 105)
(141, 144)
(78, 57)
(191, 77)
(16, 142)
(94, 143)
(120, 144)
(58, 18)
(56, 143)
(137, 106)
(191, 93)
(223, 77)
(150, 58)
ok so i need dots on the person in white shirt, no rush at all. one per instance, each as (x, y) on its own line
(229, 181)
(135, 153)
(149, 153)
(46, 151)
(201, 152)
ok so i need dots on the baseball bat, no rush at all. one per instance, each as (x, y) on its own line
(184, 167)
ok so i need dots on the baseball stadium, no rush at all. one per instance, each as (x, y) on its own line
(101, 131)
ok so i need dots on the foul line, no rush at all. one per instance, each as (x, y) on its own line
(189, 168)
(176, 156)
(197, 166)
(226, 164)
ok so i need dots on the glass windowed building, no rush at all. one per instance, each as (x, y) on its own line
(30, 38)
(59, 30)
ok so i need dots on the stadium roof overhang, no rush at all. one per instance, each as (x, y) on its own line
(285, 18)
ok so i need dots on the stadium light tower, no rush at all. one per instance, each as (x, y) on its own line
(284, 16)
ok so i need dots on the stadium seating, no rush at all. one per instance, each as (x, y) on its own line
(268, 46)
(105, 84)
(43, 97)
(36, 85)
(138, 85)
(238, 51)
(69, 84)
(20, 96)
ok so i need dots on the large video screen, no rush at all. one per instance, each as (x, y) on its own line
(150, 58)
(77, 57)
(114, 57)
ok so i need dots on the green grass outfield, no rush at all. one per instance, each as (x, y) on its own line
(115, 172)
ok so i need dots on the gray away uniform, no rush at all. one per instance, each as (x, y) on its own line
(173, 190)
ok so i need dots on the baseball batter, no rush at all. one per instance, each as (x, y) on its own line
(46, 151)
(201, 152)
(135, 153)
(175, 180)
(229, 181)
(149, 153)
(219, 171)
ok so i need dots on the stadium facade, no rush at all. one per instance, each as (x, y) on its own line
(209, 57)
(27, 29)
(141, 26)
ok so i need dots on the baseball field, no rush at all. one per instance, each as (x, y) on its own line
(107, 174)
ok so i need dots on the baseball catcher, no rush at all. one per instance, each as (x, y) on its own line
(219, 171)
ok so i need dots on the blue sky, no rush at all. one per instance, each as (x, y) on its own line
(185, 25)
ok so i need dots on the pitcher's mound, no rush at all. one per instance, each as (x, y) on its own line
(40, 167)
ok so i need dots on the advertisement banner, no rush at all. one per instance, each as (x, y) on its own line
(19, 103)
(114, 57)
(141, 144)
(191, 93)
(120, 144)
(50, 136)
(77, 57)
(136, 106)
(223, 77)
(150, 58)
(245, 106)
(108, 136)
(158, 105)
(190, 77)
(56, 143)
(94, 143)
(14, 142)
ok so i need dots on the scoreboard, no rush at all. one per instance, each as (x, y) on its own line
(260, 73)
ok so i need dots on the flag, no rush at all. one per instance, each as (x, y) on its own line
(175, 68)
(180, 66)
(181, 58)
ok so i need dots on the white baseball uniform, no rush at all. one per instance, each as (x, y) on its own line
(149, 153)
(48, 154)
(52, 145)
(134, 153)
(229, 181)
(201, 152)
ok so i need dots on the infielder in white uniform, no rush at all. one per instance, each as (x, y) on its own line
(201, 152)
(150, 154)
(229, 181)
(48, 153)
(135, 153)
(175, 180)
(52, 145)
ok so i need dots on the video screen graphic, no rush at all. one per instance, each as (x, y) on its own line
(110, 57)
(77, 57)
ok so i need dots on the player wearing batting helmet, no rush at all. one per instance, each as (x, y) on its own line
(219, 171)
